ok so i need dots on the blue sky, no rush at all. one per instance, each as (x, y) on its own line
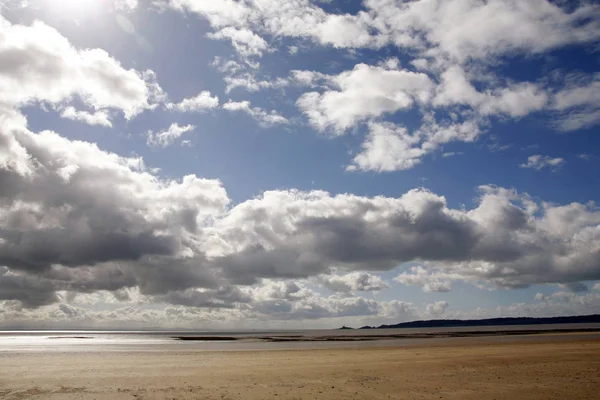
(192, 163)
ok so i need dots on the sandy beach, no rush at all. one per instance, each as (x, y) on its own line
(568, 369)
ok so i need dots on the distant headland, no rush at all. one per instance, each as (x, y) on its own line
(449, 323)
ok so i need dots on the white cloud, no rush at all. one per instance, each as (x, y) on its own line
(456, 55)
(579, 103)
(436, 309)
(169, 136)
(251, 83)
(310, 78)
(268, 313)
(353, 282)
(538, 162)
(126, 5)
(556, 304)
(79, 222)
(96, 220)
(436, 134)
(280, 290)
(452, 154)
(516, 100)
(135, 225)
(41, 65)
(576, 120)
(226, 66)
(388, 148)
(364, 92)
(245, 42)
(576, 95)
(392, 148)
(263, 117)
(101, 117)
(203, 101)
(429, 281)
(218, 13)
(486, 29)
(303, 233)
(295, 19)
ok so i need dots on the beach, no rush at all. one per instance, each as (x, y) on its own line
(545, 368)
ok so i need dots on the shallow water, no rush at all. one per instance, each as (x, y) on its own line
(158, 341)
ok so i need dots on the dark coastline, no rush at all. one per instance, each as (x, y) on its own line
(447, 323)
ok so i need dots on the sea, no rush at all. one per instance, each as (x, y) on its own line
(169, 341)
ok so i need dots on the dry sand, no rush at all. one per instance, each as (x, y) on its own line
(516, 370)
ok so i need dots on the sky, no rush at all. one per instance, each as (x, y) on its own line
(245, 164)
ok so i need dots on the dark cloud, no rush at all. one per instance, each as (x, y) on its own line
(575, 287)
(506, 239)
(77, 219)
(30, 291)
(84, 226)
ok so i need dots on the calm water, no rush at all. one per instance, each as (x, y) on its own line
(156, 341)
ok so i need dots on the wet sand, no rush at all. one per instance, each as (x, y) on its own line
(567, 369)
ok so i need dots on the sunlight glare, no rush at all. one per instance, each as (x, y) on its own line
(77, 7)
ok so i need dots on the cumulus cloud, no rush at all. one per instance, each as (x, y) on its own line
(293, 19)
(556, 304)
(245, 42)
(430, 281)
(502, 240)
(353, 311)
(368, 93)
(364, 92)
(453, 60)
(251, 83)
(263, 117)
(436, 309)
(127, 5)
(77, 221)
(389, 147)
(488, 29)
(80, 219)
(203, 101)
(539, 162)
(451, 68)
(41, 65)
(353, 282)
(514, 99)
(76, 218)
(168, 136)
(97, 118)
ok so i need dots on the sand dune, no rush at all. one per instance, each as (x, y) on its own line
(522, 370)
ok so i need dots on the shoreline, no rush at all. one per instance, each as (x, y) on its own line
(359, 338)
